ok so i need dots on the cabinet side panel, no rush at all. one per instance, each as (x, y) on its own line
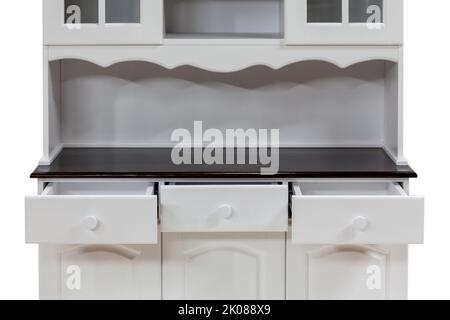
(52, 109)
(393, 115)
(398, 277)
(391, 108)
(48, 273)
(54, 105)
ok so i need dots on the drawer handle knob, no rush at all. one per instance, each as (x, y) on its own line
(91, 223)
(225, 211)
(360, 223)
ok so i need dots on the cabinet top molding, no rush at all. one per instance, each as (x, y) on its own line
(224, 58)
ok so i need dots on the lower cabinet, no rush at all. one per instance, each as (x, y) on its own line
(223, 241)
(346, 272)
(328, 254)
(211, 242)
(100, 272)
(216, 266)
(203, 266)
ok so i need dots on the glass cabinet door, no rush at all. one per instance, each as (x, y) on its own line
(344, 22)
(110, 22)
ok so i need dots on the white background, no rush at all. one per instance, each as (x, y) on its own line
(427, 134)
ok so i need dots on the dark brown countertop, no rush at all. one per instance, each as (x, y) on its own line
(156, 163)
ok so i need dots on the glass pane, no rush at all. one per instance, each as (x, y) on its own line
(80, 11)
(363, 11)
(324, 11)
(123, 11)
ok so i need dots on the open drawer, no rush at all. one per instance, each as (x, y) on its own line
(93, 213)
(355, 213)
(224, 207)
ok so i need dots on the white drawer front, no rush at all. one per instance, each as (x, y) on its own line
(389, 216)
(73, 213)
(224, 208)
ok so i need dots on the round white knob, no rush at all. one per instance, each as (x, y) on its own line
(360, 223)
(91, 223)
(225, 211)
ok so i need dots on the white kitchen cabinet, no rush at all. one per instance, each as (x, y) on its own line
(106, 22)
(98, 272)
(344, 22)
(349, 240)
(223, 266)
(346, 272)
(123, 214)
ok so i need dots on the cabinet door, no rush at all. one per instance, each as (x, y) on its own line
(100, 272)
(103, 22)
(344, 22)
(346, 272)
(214, 266)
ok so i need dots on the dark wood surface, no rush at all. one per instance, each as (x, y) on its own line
(156, 163)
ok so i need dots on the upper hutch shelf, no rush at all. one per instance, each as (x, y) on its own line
(296, 22)
(334, 68)
(224, 18)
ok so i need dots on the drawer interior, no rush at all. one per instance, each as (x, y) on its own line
(99, 188)
(348, 189)
(222, 183)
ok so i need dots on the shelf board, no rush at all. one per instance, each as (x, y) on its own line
(156, 163)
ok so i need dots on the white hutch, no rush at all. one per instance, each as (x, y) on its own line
(115, 218)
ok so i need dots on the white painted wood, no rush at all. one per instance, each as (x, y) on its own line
(54, 106)
(64, 212)
(224, 208)
(208, 54)
(346, 272)
(100, 272)
(48, 157)
(394, 110)
(51, 107)
(299, 32)
(392, 106)
(149, 31)
(317, 107)
(324, 85)
(331, 213)
(45, 105)
(215, 266)
(296, 134)
(48, 273)
(400, 107)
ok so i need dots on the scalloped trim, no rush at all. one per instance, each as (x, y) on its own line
(224, 58)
